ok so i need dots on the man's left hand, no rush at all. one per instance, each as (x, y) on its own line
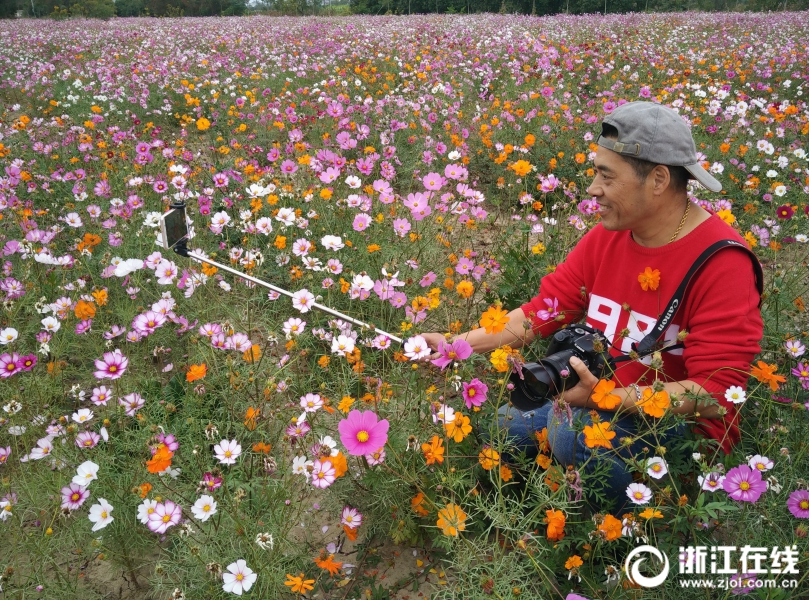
(579, 395)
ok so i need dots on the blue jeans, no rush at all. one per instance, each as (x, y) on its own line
(568, 446)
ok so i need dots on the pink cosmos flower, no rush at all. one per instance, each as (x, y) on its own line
(323, 473)
(712, 481)
(298, 430)
(744, 484)
(433, 181)
(311, 402)
(166, 514)
(73, 496)
(798, 504)
(112, 366)
(4, 454)
(351, 517)
(9, 365)
(101, 395)
(474, 393)
(227, 451)
(401, 227)
(546, 315)
(361, 222)
(211, 482)
(87, 439)
(132, 402)
(363, 433)
(455, 352)
(376, 458)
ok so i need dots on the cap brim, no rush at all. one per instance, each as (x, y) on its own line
(705, 178)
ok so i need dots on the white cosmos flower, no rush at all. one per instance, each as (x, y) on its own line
(342, 344)
(416, 348)
(332, 242)
(8, 335)
(639, 493)
(100, 514)
(51, 324)
(240, 578)
(82, 415)
(656, 467)
(353, 182)
(204, 508)
(735, 394)
(85, 473)
(145, 509)
(780, 190)
(300, 464)
(130, 265)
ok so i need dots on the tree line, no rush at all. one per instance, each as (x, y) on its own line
(203, 8)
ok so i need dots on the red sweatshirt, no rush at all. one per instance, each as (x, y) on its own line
(719, 312)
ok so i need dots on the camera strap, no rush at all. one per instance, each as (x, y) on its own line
(647, 345)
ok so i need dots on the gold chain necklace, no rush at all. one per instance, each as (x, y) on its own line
(682, 221)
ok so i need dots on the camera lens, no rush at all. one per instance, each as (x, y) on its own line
(544, 378)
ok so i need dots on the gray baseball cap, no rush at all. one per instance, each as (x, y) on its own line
(657, 134)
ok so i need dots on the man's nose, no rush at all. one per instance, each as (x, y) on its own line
(593, 189)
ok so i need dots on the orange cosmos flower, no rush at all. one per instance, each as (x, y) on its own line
(84, 309)
(459, 428)
(494, 319)
(451, 520)
(653, 403)
(649, 279)
(505, 473)
(417, 504)
(603, 398)
(203, 124)
(598, 434)
(299, 585)
(556, 525)
(434, 450)
(766, 374)
(250, 417)
(196, 372)
(100, 297)
(488, 458)
(611, 528)
(253, 354)
(339, 463)
(465, 289)
(262, 448)
(161, 460)
(329, 564)
(574, 562)
(144, 489)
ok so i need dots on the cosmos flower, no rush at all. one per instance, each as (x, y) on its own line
(238, 578)
(227, 451)
(744, 484)
(73, 496)
(101, 514)
(363, 433)
(111, 366)
(456, 351)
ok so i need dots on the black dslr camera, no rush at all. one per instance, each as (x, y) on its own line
(553, 374)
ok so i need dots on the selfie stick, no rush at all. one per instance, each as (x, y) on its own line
(181, 248)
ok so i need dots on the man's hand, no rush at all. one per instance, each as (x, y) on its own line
(579, 395)
(433, 341)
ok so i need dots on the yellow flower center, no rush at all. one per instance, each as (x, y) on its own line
(149, 510)
(656, 468)
(104, 515)
(166, 518)
(362, 436)
(804, 504)
(228, 454)
(638, 495)
(113, 368)
(206, 508)
(452, 355)
(744, 486)
(239, 577)
(470, 392)
(75, 496)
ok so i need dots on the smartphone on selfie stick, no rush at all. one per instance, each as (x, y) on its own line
(174, 228)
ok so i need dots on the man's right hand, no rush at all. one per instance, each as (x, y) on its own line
(433, 341)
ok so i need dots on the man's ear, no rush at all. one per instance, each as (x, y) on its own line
(661, 177)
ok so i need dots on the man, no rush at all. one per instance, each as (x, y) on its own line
(619, 278)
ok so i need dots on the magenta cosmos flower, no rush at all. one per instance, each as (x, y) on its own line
(744, 484)
(363, 433)
(798, 504)
(474, 393)
(9, 364)
(112, 366)
(73, 496)
(450, 353)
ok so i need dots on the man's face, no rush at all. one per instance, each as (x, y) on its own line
(626, 201)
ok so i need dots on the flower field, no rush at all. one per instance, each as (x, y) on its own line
(204, 438)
